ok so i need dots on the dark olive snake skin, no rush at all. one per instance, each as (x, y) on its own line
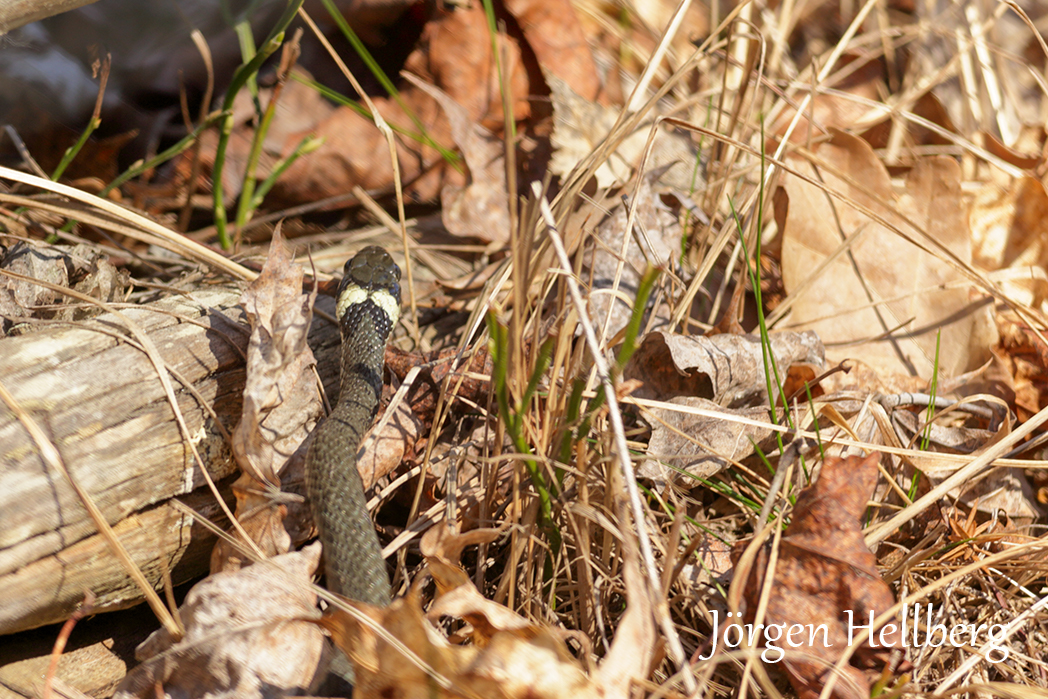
(368, 308)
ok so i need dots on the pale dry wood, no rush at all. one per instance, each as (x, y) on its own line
(15, 13)
(100, 401)
(89, 671)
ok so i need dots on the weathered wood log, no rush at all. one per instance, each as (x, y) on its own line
(100, 401)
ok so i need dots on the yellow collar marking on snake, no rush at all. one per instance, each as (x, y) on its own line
(354, 294)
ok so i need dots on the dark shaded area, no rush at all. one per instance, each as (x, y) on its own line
(48, 92)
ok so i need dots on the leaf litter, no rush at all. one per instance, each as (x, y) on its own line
(922, 299)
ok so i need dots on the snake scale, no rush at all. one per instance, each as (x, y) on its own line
(367, 309)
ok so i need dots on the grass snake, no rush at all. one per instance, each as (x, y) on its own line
(368, 307)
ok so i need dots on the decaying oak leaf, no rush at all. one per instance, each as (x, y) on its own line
(561, 47)
(723, 377)
(480, 209)
(1001, 489)
(281, 401)
(824, 570)
(384, 451)
(81, 267)
(454, 53)
(867, 291)
(248, 635)
(726, 369)
(1024, 357)
(508, 656)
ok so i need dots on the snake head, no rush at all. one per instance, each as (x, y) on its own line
(370, 275)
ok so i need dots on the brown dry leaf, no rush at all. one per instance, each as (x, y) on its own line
(80, 267)
(552, 31)
(95, 276)
(824, 570)
(437, 368)
(916, 293)
(247, 635)
(726, 369)
(299, 110)
(18, 299)
(384, 451)
(685, 447)
(1025, 357)
(509, 656)
(454, 53)
(951, 439)
(480, 209)
(1000, 489)
(719, 373)
(280, 388)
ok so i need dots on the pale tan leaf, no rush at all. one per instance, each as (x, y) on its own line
(280, 401)
(580, 126)
(685, 446)
(726, 369)
(246, 636)
(882, 299)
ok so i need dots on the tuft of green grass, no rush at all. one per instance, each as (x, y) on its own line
(243, 75)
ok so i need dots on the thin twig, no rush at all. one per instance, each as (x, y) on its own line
(658, 600)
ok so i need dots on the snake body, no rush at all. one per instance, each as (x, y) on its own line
(368, 307)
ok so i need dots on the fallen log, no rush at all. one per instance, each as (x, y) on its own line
(98, 398)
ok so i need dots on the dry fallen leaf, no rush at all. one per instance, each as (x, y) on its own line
(882, 299)
(279, 390)
(80, 267)
(685, 447)
(509, 656)
(247, 635)
(480, 209)
(723, 374)
(824, 570)
(726, 369)
(1010, 230)
(580, 126)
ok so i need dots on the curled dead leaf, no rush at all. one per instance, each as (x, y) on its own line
(685, 447)
(247, 634)
(281, 401)
(509, 657)
(726, 369)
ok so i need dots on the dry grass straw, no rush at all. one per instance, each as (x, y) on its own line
(573, 579)
(576, 585)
